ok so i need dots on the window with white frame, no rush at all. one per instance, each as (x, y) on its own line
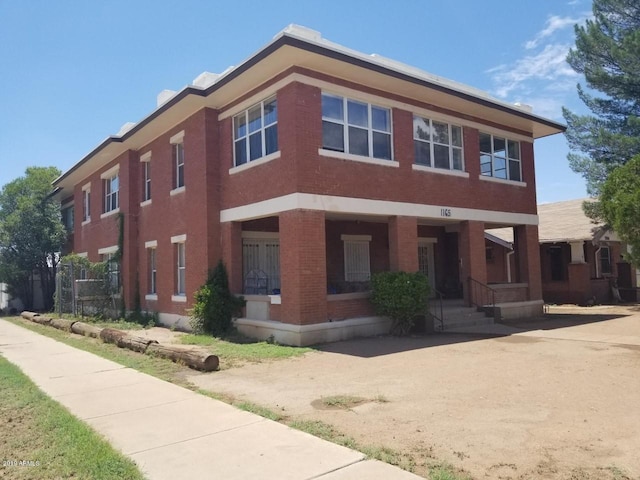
(153, 271)
(500, 157)
(113, 270)
(111, 193)
(86, 204)
(68, 219)
(178, 161)
(255, 132)
(181, 268)
(355, 127)
(357, 265)
(437, 144)
(146, 177)
(605, 261)
(261, 255)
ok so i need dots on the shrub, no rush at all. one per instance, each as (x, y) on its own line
(215, 306)
(400, 296)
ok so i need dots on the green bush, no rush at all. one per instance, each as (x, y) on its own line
(215, 306)
(400, 296)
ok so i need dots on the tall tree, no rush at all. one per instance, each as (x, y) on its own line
(620, 203)
(607, 52)
(31, 234)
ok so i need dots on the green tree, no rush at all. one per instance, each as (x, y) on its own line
(215, 305)
(401, 296)
(607, 52)
(31, 234)
(620, 204)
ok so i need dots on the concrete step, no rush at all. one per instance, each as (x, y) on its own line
(459, 316)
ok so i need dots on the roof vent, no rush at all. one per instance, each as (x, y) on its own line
(524, 106)
(304, 32)
(164, 96)
(125, 128)
(205, 79)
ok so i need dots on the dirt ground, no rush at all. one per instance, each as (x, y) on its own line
(559, 399)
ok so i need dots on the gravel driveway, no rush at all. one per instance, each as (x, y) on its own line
(558, 399)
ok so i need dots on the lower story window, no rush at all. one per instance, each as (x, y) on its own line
(357, 265)
(261, 263)
(152, 271)
(605, 261)
(181, 269)
(113, 270)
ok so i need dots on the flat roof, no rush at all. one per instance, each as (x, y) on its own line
(296, 45)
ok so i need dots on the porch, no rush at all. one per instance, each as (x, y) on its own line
(318, 290)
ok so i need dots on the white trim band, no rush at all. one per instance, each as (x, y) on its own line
(107, 250)
(363, 206)
(146, 157)
(112, 172)
(151, 244)
(179, 238)
(177, 138)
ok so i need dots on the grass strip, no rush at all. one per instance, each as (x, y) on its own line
(40, 439)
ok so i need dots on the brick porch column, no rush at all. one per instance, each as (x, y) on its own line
(403, 244)
(231, 236)
(527, 249)
(472, 261)
(303, 267)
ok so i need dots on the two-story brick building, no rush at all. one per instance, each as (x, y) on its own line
(308, 168)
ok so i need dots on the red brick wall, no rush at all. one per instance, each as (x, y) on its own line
(351, 308)
(403, 244)
(303, 273)
(527, 250)
(301, 168)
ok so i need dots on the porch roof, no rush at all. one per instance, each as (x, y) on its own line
(562, 222)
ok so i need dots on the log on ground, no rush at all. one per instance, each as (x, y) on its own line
(29, 315)
(124, 340)
(62, 324)
(86, 329)
(192, 358)
(42, 320)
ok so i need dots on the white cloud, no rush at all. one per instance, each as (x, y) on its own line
(548, 65)
(553, 24)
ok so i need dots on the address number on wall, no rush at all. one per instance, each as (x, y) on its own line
(445, 212)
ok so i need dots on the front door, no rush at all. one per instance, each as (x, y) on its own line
(426, 262)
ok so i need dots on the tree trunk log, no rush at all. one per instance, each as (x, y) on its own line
(124, 340)
(29, 315)
(86, 329)
(42, 320)
(192, 358)
(62, 324)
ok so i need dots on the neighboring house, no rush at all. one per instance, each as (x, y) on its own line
(308, 168)
(579, 259)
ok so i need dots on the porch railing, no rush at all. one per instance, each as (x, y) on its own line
(436, 310)
(482, 296)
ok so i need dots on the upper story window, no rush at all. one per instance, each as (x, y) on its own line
(355, 127)
(68, 218)
(177, 153)
(111, 193)
(178, 159)
(255, 132)
(500, 157)
(86, 203)
(145, 161)
(437, 144)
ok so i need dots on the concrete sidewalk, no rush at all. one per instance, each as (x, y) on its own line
(172, 432)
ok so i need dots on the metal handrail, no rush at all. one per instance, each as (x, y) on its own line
(438, 299)
(482, 296)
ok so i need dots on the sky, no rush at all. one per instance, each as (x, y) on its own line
(72, 72)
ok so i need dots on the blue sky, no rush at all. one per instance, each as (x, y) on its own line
(72, 72)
